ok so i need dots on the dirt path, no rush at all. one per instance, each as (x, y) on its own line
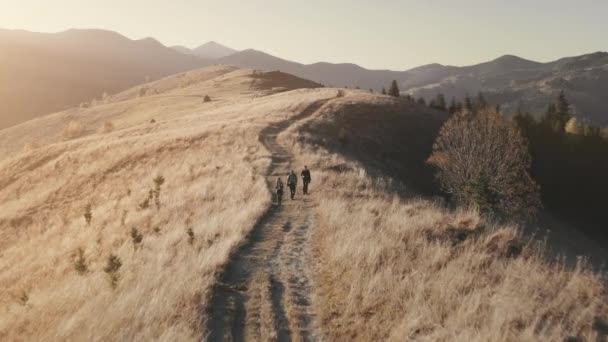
(264, 293)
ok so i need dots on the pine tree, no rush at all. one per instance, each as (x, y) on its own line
(383, 91)
(394, 89)
(550, 115)
(524, 121)
(558, 114)
(440, 103)
(421, 101)
(481, 102)
(520, 108)
(468, 104)
(459, 107)
(452, 108)
(550, 118)
(563, 114)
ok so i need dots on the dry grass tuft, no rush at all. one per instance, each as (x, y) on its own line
(72, 130)
(108, 127)
(29, 147)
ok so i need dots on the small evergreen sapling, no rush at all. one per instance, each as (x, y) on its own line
(136, 236)
(88, 214)
(190, 233)
(80, 265)
(112, 267)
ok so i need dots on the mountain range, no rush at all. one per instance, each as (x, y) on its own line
(509, 81)
(42, 73)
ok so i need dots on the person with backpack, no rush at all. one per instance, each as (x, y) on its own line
(292, 182)
(279, 190)
(305, 179)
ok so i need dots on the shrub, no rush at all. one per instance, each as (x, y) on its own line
(72, 130)
(80, 265)
(88, 214)
(108, 127)
(24, 297)
(158, 182)
(112, 267)
(206, 99)
(142, 92)
(340, 93)
(483, 161)
(190, 236)
(123, 218)
(146, 203)
(30, 146)
(136, 236)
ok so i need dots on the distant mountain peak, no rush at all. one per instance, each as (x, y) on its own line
(513, 59)
(213, 44)
(209, 50)
(213, 50)
(150, 41)
(96, 33)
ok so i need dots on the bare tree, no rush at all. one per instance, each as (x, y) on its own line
(483, 161)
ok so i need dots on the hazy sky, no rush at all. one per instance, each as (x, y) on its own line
(375, 34)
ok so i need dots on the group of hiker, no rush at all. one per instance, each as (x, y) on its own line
(292, 183)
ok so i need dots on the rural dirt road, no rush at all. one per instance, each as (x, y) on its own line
(264, 292)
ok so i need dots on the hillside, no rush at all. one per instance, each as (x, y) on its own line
(506, 80)
(41, 73)
(206, 255)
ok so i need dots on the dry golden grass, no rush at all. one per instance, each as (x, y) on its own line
(213, 165)
(393, 267)
(387, 267)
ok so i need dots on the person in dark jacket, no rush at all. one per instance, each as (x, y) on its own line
(306, 179)
(279, 190)
(292, 182)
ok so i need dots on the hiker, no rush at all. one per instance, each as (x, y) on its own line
(279, 190)
(292, 182)
(306, 179)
